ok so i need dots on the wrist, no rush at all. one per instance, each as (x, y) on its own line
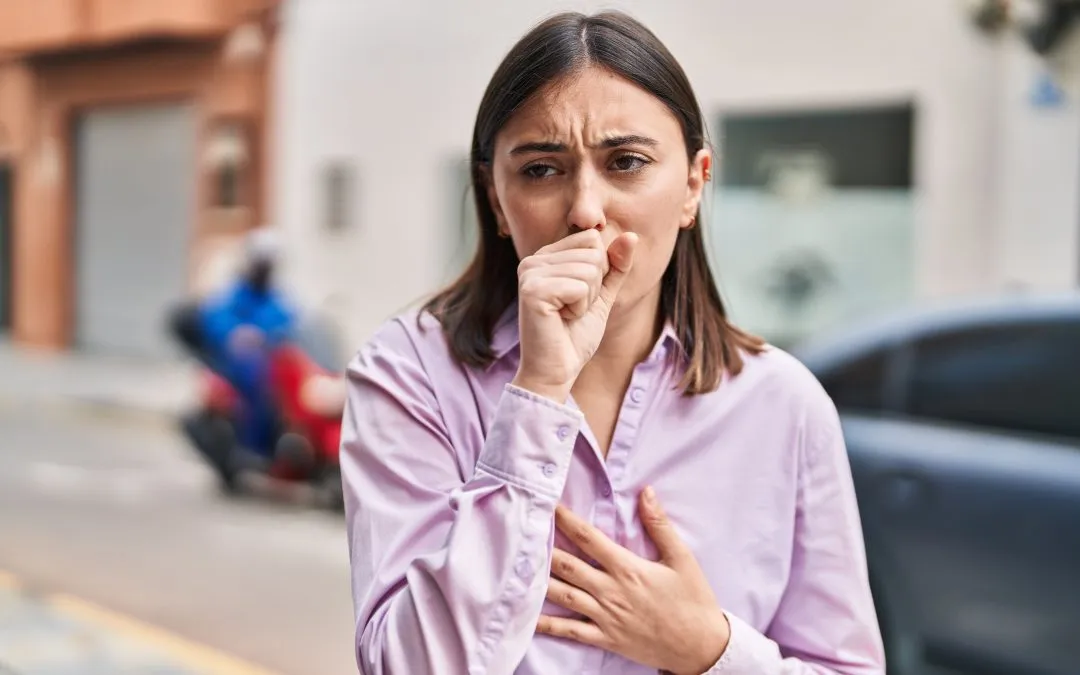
(555, 391)
(713, 645)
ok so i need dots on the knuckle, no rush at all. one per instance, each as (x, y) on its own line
(632, 576)
(564, 568)
(569, 598)
(622, 606)
(529, 285)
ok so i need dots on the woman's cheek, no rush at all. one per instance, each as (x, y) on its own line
(534, 226)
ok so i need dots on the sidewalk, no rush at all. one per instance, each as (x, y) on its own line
(156, 390)
(62, 635)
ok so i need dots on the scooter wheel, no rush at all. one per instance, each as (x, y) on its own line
(214, 437)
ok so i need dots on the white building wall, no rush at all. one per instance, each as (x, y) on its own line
(1038, 169)
(394, 87)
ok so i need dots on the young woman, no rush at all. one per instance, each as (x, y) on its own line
(506, 451)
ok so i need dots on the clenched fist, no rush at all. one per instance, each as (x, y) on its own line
(565, 294)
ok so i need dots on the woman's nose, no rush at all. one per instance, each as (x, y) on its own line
(586, 210)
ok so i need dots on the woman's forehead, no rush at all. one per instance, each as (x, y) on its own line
(587, 107)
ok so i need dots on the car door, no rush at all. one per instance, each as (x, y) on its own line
(977, 494)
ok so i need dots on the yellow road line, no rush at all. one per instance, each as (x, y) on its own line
(200, 658)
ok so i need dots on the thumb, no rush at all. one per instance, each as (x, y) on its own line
(621, 258)
(667, 540)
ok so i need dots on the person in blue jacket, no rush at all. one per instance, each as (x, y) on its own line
(233, 333)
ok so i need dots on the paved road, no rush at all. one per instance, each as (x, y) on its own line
(119, 514)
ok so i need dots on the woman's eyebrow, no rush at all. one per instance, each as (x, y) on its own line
(607, 143)
(629, 139)
(540, 146)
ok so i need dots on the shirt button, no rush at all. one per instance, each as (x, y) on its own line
(637, 394)
(549, 470)
(523, 568)
(605, 490)
(563, 432)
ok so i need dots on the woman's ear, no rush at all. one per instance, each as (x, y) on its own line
(493, 199)
(700, 174)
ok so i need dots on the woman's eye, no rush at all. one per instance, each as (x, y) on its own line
(629, 163)
(539, 171)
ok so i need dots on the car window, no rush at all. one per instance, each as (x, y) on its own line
(1021, 377)
(859, 385)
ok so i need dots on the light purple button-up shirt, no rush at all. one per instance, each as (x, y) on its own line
(452, 476)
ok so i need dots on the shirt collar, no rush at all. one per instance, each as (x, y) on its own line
(505, 337)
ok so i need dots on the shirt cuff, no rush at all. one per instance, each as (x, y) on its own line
(531, 441)
(748, 651)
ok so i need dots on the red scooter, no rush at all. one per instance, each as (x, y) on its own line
(309, 399)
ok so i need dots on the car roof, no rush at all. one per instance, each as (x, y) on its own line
(850, 341)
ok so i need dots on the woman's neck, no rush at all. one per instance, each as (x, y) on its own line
(629, 337)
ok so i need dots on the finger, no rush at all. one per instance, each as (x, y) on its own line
(574, 599)
(590, 273)
(572, 629)
(573, 305)
(593, 255)
(592, 541)
(669, 544)
(621, 255)
(576, 572)
(590, 238)
(554, 292)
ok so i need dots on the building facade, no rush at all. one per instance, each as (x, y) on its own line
(872, 154)
(133, 145)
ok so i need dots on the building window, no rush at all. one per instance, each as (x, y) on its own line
(228, 156)
(812, 219)
(339, 193)
(227, 186)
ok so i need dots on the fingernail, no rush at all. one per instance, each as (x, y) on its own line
(650, 495)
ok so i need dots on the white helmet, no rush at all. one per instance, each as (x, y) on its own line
(262, 246)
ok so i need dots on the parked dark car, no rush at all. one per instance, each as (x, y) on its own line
(963, 428)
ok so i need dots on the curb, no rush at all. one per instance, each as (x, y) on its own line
(181, 654)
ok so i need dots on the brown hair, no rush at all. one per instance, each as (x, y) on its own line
(471, 306)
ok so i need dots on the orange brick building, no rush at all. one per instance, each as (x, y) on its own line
(133, 143)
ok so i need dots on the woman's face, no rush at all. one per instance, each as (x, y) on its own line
(595, 150)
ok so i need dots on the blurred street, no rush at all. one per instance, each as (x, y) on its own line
(121, 515)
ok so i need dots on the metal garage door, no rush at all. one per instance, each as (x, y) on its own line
(135, 198)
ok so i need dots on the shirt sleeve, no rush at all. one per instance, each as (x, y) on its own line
(449, 571)
(826, 623)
